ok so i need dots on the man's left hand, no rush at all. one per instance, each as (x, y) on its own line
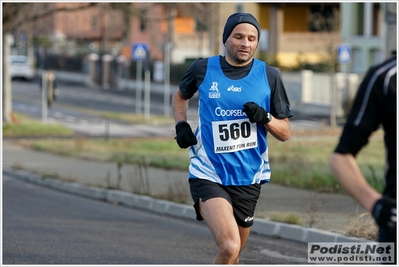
(256, 113)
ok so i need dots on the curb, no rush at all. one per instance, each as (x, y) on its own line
(163, 207)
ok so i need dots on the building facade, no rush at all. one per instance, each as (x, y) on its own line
(291, 33)
(312, 32)
(370, 29)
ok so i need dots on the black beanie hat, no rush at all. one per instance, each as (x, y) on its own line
(236, 19)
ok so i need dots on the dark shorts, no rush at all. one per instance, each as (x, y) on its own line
(242, 198)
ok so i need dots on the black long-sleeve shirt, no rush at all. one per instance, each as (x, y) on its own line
(374, 105)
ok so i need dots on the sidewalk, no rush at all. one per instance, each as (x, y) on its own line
(330, 212)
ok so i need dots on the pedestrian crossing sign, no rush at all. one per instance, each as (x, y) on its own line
(344, 53)
(139, 51)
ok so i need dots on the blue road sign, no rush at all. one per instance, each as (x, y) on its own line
(139, 51)
(344, 53)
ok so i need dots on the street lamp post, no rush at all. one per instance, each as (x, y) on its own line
(168, 46)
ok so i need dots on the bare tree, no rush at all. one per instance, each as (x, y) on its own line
(31, 17)
(16, 15)
(21, 17)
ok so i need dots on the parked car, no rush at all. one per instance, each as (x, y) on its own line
(21, 67)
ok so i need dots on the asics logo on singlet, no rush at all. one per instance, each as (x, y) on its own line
(228, 112)
(232, 88)
(214, 91)
(249, 219)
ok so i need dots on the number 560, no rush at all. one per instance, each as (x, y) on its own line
(234, 130)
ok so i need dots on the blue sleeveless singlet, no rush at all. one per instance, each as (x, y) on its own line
(231, 150)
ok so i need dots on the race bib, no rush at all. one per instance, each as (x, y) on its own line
(234, 135)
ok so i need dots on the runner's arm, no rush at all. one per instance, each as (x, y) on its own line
(179, 106)
(279, 128)
(347, 172)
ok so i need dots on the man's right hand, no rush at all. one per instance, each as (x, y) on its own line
(184, 135)
(384, 212)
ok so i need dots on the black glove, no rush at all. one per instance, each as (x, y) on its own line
(184, 135)
(256, 113)
(384, 212)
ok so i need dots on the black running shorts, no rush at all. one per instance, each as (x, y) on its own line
(242, 198)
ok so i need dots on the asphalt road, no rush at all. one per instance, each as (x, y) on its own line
(44, 226)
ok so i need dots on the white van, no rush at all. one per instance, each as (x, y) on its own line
(20, 67)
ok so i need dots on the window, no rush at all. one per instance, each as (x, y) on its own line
(93, 22)
(143, 23)
(322, 17)
(200, 26)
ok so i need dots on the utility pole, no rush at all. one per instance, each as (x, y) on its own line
(167, 51)
(45, 82)
(139, 73)
(167, 58)
(333, 100)
(215, 39)
(7, 95)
